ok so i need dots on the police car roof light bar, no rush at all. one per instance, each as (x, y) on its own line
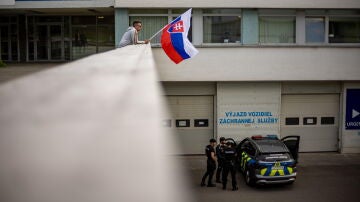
(257, 137)
(273, 137)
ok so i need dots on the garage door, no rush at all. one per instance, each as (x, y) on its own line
(192, 118)
(314, 118)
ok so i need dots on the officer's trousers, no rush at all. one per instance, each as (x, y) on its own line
(219, 169)
(210, 168)
(229, 168)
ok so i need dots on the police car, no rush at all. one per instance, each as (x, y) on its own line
(268, 160)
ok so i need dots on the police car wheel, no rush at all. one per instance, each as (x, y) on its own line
(248, 178)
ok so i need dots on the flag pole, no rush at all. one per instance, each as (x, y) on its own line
(157, 33)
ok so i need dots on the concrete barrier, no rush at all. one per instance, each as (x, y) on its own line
(89, 130)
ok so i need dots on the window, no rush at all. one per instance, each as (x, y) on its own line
(344, 30)
(201, 122)
(183, 123)
(4, 19)
(151, 25)
(147, 11)
(106, 33)
(222, 26)
(248, 148)
(83, 20)
(9, 38)
(152, 21)
(92, 34)
(309, 120)
(166, 123)
(277, 29)
(49, 19)
(84, 41)
(292, 121)
(327, 120)
(315, 29)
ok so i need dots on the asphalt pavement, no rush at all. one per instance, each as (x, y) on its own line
(321, 177)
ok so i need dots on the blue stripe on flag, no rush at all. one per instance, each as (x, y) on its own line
(178, 43)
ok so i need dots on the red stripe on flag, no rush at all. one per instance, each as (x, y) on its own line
(168, 47)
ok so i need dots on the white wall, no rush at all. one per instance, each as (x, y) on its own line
(7, 2)
(263, 64)
(60, 4)
(242, 4)
(350, 139)
(254, 106)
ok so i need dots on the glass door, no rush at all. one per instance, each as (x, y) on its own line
(4, 43)
(56, 42)
(42, 43)
(50, 42)
(9, 50)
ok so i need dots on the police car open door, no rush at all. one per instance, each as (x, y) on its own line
(292, 143)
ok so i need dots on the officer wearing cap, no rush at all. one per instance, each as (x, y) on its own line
(211, 163)
(229, 154)
(220, 158)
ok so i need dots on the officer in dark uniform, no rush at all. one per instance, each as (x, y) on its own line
(211, 163)
(229, 154)
(220, 158)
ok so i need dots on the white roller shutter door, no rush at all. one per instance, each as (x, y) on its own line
(314, 117)
(192, 118)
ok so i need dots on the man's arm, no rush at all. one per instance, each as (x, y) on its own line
(213, 156)
(136, 39)
(142, 42)
(217, 149)
(134, 36)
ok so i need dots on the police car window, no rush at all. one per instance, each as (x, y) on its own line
(243, 145)
(251, 150)
(248, 148)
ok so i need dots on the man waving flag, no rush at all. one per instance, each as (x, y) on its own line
(174, 39)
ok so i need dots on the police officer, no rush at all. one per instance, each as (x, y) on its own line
(229, 154)
(220, 159)
(211, 163)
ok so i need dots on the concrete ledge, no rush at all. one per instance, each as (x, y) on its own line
(87, 131)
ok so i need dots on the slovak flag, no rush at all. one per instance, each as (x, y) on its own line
(174, 39)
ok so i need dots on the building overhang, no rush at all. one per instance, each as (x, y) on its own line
(304, 4)
(56, 4)
(263, 63)
(59, 11)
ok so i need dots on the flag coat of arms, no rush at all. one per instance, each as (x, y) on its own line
(174, 39)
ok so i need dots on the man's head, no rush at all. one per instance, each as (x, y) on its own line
(137, 25)
(229, 144)
(222, 140)
(212, 142)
